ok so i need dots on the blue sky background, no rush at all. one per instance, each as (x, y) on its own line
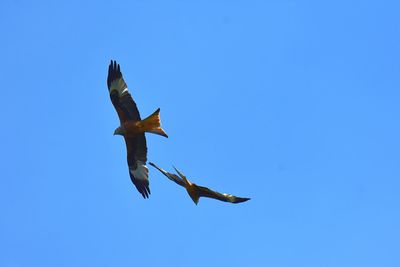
(292, 103)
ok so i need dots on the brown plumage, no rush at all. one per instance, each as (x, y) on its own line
(132, 128)
(195, 191)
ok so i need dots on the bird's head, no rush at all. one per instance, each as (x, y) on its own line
(119, 131)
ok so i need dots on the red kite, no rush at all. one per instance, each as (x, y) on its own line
(132, 128)
(195, 191)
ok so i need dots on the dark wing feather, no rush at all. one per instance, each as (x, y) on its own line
(127, 110)
(173, 177)
(137, 158)
(119, 94)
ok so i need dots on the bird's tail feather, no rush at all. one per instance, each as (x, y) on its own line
(152, 124)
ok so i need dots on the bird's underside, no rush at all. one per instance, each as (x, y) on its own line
(196, 191)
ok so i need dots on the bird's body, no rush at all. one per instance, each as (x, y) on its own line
(192, 189)
(195, 191)
(132, 128)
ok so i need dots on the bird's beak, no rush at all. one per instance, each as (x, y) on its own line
(119, 131)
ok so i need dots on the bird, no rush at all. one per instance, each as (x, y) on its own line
(132, 128)
(195, 191)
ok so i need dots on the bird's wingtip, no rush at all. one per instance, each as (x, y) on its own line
(241, 199)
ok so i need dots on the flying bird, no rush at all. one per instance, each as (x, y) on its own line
(132, 128)
(195, 191)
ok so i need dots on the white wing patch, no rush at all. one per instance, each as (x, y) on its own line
(119, 85)
(141, 172)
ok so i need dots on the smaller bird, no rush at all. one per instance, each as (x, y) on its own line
(195, 191)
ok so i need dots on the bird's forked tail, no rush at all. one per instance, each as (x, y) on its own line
(152, 124)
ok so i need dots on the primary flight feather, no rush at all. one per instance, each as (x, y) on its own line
(132, 128)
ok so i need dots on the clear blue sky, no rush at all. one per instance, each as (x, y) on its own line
(292, 103)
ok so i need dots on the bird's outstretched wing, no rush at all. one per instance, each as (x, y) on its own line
(199, 191)
(119, 94)
(127, 110)
(173, 177)
(206, 192)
